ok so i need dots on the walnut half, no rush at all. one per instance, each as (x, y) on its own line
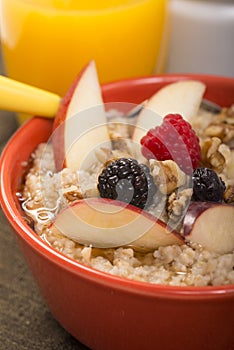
(211, 156)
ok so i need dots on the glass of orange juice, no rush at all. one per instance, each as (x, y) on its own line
(46, 43)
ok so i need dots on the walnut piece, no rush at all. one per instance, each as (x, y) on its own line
(72, 193)
(118, 130)
(167, 175)
(211, 156)
(226, 115)
(177, 203)
(225, 132)
(229, 194)
(105, 156)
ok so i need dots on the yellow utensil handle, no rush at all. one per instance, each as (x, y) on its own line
(23, 98)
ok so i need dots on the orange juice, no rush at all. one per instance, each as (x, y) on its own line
(47, 42)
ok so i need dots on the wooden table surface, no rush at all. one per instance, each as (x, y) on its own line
(25, 320)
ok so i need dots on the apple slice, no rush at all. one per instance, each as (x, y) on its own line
(106, 223)
(211, 225)
(80, 124)
(183, 97)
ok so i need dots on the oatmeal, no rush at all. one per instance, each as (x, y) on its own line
(167, 196)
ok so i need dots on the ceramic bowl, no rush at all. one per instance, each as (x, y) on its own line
(104, 311)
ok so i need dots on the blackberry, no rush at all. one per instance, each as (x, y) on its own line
(207, 185)
(128, 181)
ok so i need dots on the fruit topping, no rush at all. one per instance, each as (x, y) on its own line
(106, 223)
(80, 123)
(174, 139)
(128, 181)
(183, 97)
(167, 175)
(210, 225)
(207, 185)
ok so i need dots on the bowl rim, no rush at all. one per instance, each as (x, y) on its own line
(167, 77)
(22, 230)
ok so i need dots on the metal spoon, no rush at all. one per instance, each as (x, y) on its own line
(207, 105)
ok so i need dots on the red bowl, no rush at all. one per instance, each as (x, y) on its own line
(105, 311)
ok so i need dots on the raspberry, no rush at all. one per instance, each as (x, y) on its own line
(127, 181)
(207, 186)
(174, 139)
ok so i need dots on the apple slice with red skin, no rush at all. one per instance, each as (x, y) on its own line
(80, 124)
(183, 97)
(106, 223)
(211, 225)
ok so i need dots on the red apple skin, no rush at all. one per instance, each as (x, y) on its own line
(211, 225)
(58, 125)
(157, 233)
(195, 209)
